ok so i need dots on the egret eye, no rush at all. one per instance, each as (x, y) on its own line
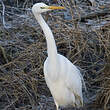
(42, 7)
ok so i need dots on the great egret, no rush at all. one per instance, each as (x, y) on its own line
(62, 77)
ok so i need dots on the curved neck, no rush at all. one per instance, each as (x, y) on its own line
(51, 46)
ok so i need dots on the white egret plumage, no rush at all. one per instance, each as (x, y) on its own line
(62, 77)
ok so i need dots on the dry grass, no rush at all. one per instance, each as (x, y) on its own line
(103, 96)
(23, 51)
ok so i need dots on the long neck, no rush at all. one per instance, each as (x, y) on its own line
(51, 46)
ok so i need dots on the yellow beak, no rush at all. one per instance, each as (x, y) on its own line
(53, 7)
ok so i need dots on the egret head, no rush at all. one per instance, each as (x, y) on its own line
(42, 7)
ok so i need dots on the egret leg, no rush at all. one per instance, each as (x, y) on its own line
(57, 107)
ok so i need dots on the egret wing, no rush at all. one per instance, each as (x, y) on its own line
(74, 83)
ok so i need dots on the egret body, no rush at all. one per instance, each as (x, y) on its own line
(62, 77)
